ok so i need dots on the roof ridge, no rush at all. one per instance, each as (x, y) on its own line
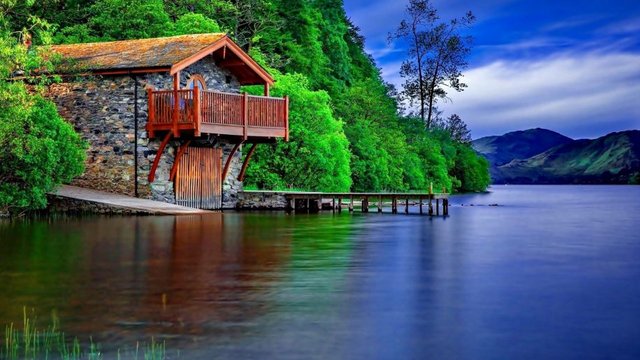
(132, 40)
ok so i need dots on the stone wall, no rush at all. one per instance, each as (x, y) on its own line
(102, 109)
(60, 204)
(261, 200)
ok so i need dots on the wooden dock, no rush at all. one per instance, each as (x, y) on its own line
(125, 202)
(429, 203)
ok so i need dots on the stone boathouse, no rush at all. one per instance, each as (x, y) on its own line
(164, 117)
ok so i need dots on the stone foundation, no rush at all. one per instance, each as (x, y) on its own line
(59, 204)
(261, 200)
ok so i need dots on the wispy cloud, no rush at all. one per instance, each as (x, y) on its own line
(574, 22)
(627, 26)
(384, 50)
(578, 94)
(528, 44)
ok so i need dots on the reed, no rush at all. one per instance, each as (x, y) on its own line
(31, 343)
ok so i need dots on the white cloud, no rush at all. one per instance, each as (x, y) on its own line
(626, 26)
(580, 95)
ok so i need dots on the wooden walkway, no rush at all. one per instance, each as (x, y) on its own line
(125, 202)
(429, 203)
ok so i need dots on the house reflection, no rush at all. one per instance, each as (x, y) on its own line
(115, 278)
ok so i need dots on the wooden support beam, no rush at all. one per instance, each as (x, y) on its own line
(420, 205)
(350, 203)
(156, 161)
(406, 206)
(380, 203)
(339, 204)
(437, 207)
(445, 207)
(227, 164)
(266, 89)
(176, 161)
(246, 161)
(333, 204)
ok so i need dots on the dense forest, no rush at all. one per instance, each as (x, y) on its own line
(347, 132)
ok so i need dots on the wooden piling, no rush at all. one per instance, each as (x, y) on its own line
(312, 202)
(430, 205)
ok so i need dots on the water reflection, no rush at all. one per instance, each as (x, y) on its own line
(190, 277)
(520, 280)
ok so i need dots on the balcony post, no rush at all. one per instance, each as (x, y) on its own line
(151, 113)
(176, 104)
(286, 118)
(245, 115)
(196, 109)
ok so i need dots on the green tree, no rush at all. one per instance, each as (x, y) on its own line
(191, 23)
(471, 169)
(378, 145)
(317, 156)
(437, 55)
(38, 149)
(122, 20)
(457, 129)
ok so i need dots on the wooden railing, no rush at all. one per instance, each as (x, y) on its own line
(230, 114)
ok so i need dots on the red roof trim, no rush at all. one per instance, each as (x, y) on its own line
(224, 41)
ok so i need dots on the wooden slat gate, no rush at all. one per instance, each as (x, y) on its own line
(198, 182)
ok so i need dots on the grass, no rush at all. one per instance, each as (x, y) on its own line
(30, 343)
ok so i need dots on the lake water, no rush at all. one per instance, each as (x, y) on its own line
(553, 272)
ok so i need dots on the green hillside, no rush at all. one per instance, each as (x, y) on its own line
(611, 159)
(523, 144)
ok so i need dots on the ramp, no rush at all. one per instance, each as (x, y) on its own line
(125, 202)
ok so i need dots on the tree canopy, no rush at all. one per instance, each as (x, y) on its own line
(436, 56)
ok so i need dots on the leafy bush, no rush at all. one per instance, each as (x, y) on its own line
(38, 149)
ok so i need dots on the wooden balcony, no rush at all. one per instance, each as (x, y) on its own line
(196, 112)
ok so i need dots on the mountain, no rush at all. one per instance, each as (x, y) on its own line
(523, 144)
(540, 156)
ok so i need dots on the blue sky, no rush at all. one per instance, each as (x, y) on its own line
(569, 66)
